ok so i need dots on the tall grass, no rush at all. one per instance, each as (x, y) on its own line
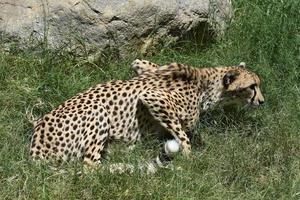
(247, 155)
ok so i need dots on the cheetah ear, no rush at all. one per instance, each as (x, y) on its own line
(242, 65)
(230, 77)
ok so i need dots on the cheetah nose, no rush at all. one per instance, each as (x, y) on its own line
(261, 102)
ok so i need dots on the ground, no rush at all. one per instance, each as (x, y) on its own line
(247, 155)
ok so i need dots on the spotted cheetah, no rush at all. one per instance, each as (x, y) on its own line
(166, 98)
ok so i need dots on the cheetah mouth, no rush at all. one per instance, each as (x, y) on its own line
(252, 104)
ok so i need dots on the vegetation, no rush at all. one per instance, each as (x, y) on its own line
(247, 155)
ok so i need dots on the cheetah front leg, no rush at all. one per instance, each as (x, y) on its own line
(166, 111)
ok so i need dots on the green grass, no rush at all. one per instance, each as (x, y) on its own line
(247, 155)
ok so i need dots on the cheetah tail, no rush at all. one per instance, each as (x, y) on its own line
(163, 160)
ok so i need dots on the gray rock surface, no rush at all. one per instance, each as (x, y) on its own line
(125, 25)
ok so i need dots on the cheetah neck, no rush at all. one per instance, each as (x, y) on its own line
(210, 83)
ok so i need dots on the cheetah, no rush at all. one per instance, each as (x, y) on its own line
(167, 98)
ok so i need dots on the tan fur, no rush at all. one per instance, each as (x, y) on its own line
(169, 97)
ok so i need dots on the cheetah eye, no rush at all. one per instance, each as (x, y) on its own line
(252, 87)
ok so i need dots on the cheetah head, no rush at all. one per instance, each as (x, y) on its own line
(242, 86)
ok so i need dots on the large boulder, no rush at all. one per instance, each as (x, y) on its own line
(124, 25)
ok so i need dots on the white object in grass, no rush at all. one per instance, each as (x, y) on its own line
(172, 146)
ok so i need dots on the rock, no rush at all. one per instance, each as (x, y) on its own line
(123, 25)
